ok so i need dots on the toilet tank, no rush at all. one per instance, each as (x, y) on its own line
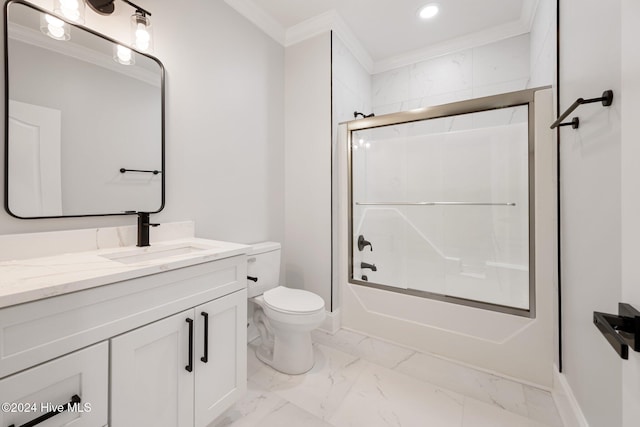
(263, 262)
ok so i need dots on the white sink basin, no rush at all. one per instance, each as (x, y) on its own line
(153, 253)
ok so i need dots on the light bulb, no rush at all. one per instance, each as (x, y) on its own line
(70, 9)
(53, 21)
(53, 27)
(123, 55)
(142, 37)
(141, 32)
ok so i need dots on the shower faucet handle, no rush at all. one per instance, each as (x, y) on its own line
(363, 243)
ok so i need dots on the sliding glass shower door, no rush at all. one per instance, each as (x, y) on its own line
(440, 207)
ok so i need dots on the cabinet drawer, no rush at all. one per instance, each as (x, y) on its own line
(36, 391)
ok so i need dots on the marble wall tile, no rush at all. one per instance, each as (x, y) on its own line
(445, 74)
(502, 61)
(391, 87)
(383, 397)
(34, 245)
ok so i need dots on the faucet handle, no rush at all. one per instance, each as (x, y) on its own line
(363, 243)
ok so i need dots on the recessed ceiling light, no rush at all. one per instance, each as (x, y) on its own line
(429, 11)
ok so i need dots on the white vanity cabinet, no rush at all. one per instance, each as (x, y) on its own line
(123, 347)
(184, 370)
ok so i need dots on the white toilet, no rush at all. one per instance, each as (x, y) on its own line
(284, 317)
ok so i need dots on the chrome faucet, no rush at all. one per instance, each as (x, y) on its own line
(143, 228)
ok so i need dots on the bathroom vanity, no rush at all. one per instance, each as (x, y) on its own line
(126, 337)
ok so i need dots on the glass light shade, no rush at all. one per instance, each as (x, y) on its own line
(54, 27)
(73, 10)
(141, 32)
(123, 55)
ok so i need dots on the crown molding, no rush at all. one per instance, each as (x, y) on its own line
(259, 18)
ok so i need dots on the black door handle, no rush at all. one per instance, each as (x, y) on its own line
(205, 358)
(75, 399)
(189, 367)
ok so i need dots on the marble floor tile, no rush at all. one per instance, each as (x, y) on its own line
(371, 349)
(321, 390)
(383, 397)
(480, 414)
(541, 406)
(253, 363)
(497, 391)
(289, 415)
(253, 407)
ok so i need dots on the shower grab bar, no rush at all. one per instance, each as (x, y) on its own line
(434, 204)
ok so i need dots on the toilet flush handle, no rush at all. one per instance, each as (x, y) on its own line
(255, 279)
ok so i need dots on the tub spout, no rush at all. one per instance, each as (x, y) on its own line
(364, 265)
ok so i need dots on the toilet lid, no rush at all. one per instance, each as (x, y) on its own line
(293, 300)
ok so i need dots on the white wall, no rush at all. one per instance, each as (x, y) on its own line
(482, 71)
(590, 158)
(307, 245)
(225, 122)
(351, 92)
(630, 153)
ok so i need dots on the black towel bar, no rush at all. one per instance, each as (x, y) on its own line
(606, 99)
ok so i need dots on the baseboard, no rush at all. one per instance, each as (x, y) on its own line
(331, 323)
(566, 402)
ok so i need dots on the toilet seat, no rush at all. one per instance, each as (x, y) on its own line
(293, 301)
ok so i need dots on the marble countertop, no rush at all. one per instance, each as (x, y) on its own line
(32, 279)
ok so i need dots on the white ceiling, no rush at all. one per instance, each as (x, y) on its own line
(387, 29)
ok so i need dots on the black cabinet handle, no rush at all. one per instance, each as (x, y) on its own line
(205, 358)
(189, 367)
(75, 399)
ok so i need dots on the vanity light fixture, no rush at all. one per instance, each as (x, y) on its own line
(73, 10)
(428, 11)
(54, 27)
(141, 34)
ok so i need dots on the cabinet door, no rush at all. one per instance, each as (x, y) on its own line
(150, 385)
(222, 379)
(47, 387)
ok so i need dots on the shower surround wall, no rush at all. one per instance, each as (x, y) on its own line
(473, 252)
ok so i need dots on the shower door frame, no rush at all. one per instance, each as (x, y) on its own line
(496, 102)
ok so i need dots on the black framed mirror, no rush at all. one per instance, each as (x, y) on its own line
(84, 120)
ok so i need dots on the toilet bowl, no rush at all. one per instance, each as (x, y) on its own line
(284, 316)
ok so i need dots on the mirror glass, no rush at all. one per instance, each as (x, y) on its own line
(78, 121)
